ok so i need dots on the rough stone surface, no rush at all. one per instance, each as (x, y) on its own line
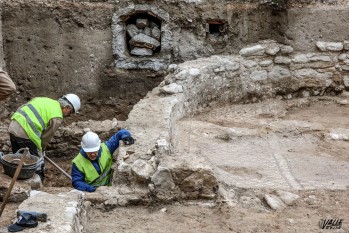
(20, 190)
(141, 51)
(329, 46)
(64, 211)
(173, 88)
(162, 178)
(274, 202)
(287, 197)
(132, 30)
(142, 170)
(141, 40)
(256, 50)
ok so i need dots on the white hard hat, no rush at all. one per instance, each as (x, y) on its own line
(90, 142)
(73, 100)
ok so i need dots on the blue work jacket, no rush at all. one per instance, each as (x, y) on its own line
(78, 178)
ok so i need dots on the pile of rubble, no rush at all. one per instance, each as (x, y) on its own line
(145, 37)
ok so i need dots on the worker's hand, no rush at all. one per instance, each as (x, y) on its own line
(128, 140)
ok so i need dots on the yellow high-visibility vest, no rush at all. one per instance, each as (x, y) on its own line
(35, 116)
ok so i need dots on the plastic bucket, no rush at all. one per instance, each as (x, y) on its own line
(10, 163)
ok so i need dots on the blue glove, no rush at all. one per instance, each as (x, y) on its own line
(128, 140)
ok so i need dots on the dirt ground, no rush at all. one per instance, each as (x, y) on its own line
(248, 212)
(303, 216)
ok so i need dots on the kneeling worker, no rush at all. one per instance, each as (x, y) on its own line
(92, 166)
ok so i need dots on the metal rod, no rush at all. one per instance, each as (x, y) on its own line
(60, 169)
(14, 178)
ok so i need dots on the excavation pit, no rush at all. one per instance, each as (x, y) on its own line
(191, 166)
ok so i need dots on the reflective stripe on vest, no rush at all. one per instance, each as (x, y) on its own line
(38, 134)
(30, 122)
(34, 117)
(99, 181)
(86, 167)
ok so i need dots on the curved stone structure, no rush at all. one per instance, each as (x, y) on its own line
(261, 71)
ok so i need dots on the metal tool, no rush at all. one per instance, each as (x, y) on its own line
(14, 178)
(60, 169)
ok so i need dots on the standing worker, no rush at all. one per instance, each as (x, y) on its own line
(7, 87)
(34, 124)
(92, 166)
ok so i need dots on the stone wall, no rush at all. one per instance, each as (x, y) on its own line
(264, 70)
